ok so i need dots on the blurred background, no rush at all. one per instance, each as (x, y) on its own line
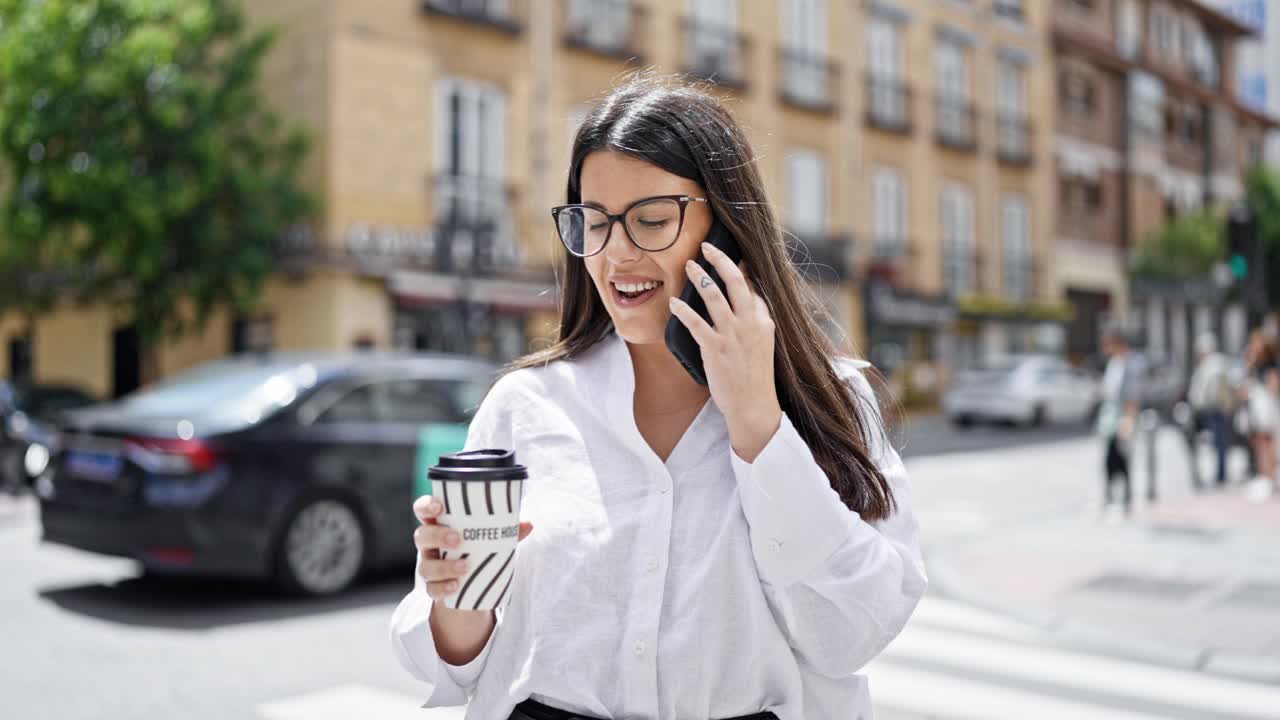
(260, 260)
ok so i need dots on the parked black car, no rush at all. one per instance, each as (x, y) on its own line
(297, 467)
(28, 414)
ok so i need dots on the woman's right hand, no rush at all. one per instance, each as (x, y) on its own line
(431, 537)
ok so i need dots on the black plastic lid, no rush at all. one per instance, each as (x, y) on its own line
(486, 464)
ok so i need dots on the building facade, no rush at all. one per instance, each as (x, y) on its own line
(1148, 127)
(955, 199)
(906, 143)
(1258, 63)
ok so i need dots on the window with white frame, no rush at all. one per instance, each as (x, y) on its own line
(713, 39)
(602, 24)
(804, 47)
(807, 192)
(1129, 29)
(884, 67)
(884, 50)
(957, 239)
(1010, 88)
(889, 208)
(1164, 32)
(470, 163)
(1015, 229)
(951, 66)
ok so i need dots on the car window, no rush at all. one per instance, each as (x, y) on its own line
(419, 401)
(409, 400)
(356, 406)
(46, 402)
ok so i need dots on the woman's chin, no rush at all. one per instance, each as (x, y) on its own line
(640, 331)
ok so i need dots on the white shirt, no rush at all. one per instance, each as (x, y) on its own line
(704, 587)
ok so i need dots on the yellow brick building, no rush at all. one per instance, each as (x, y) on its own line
(905, 142)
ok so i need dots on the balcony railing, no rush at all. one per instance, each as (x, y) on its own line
(822, 256)
(474, 222)
(715, 51)
(1019, 280)
(888, 103)
(955, 119)
(492, 13)
(606, 27)
(808, 80)
(1011, 10)
(1013, 139)
(890, 260)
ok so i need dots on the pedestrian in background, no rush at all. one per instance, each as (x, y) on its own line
(1262, 395)
(1118, 416)
(1212, 398)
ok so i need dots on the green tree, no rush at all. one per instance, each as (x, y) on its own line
(1186, 247)
(1262, 189)
(140, 167)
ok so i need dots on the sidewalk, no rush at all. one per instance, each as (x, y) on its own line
(1190, 582)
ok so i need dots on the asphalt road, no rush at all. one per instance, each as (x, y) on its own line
(933, 435)
(86, 638)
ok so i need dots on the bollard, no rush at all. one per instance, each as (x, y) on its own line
(1149, 421)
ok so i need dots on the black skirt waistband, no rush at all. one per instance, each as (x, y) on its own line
(534, 710)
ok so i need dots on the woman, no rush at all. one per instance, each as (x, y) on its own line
(735, 550)
(1260, 391)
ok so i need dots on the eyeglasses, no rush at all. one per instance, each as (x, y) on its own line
(652, 224)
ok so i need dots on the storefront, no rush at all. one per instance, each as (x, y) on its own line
(904, 332)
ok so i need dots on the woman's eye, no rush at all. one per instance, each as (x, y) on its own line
(597, 227)
(652, 223)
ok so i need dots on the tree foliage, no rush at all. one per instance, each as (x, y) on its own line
(139, 166)
(1262, 188)
(1186, 247)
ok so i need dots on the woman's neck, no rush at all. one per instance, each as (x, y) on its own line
(662, 384)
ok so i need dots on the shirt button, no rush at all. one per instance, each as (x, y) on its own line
(652, 565)
(775, 545)
(664, 489)
(639, 648)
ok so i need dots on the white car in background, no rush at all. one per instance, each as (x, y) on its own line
(1024, 390)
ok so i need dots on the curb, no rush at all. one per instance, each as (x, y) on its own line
(1068, 634)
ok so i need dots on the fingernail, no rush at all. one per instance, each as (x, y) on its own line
(672, 302)
(454, 539)
(690, 264)
(460, 565)
(708, 246)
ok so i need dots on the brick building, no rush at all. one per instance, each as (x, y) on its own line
(1148, 126)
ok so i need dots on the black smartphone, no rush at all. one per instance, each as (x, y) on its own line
(679, 340)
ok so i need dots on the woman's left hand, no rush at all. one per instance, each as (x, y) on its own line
(737, 353)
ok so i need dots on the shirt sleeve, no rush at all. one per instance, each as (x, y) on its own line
(415, 649)
(840, 587)
(411, 637)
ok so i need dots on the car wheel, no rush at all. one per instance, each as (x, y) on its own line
(1039, 416)
(322, 548)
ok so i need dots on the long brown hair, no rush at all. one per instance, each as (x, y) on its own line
(686, 131)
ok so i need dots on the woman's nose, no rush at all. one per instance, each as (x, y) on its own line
(620, 250)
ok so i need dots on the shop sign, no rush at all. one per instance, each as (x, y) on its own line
(889, 306)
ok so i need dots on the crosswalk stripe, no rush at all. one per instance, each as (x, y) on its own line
(1081, 674)
(355, 701)
(938, 695)
(938, 612)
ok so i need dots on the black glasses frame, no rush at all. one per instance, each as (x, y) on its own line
(683, 200)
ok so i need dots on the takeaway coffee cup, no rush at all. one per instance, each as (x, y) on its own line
(481, 492)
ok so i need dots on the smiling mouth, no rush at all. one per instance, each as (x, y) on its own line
(635, 293)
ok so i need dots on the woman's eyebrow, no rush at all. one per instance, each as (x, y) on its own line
(631, 203)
